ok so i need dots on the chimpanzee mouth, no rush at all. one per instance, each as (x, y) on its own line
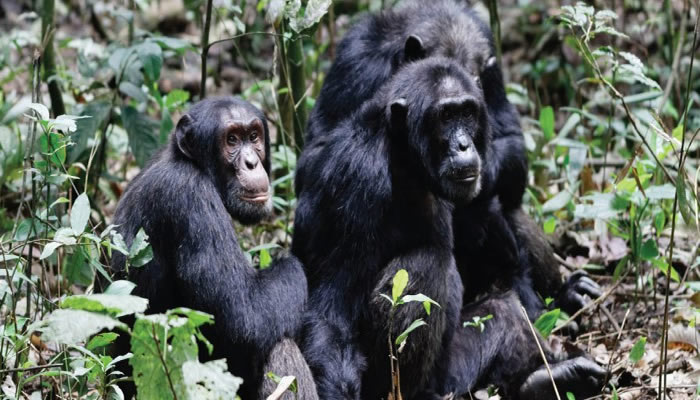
(468, 176)
(256, 197)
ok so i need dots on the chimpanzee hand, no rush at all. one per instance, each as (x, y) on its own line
(571, 296)
(579, 375)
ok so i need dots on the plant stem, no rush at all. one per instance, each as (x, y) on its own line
(495, 27)
(49, 77)
(205, 50)
(684, 118)
(297, 86)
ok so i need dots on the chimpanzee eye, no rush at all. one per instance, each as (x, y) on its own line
(253, 137)
(231, 139)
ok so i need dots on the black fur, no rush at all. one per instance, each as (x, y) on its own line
(185, 207)
(490, 252)
(373, 202)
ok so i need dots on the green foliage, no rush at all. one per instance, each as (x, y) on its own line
(165, 359)
(637, 351)
(546, 322)
(478, 322)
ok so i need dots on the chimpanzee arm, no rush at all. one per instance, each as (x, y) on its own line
(249, 306)
(506, 162)
(330, 344)
(504, 353)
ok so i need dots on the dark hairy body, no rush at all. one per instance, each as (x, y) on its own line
(375, 199)
(494, 255)
(215, 168)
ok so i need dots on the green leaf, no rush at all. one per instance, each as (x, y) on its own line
(637, 351)
(151, 56)
(683, 205)
(660, 221)
(427, 301)
(80, 214)
(649, 250)
(140, 252)
(661, 264)
(140, 129)
(570, 396)
(620, 267)
(209, 380)
(101, 340)
(49, 249)
(115, 305)
(98, 111)
(78, 269)
(71, 327)
(158, 370)
(133, 91)
(120, 287)
(404, 335)
(558, 201)
(265, 259)
(550, 225)
(547, 122)
(53, 146)
(546, 322)
(176, 98)
(399, 284)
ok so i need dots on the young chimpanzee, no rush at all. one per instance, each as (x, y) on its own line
(374, 49)
(216, 168)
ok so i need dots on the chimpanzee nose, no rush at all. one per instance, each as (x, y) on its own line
(463, 144)
(251, 161)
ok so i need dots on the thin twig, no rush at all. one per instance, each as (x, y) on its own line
(539, 346)
(205, 50)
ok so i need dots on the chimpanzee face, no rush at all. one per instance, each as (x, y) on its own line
(241, 140)
(442, 112)
(226, 137)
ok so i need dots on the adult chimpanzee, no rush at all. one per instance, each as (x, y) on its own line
(377, 196)
(370, 53)
(216, 167)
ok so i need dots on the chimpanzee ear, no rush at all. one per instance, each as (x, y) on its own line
(182, 135)
(413, 49)
(398, 111)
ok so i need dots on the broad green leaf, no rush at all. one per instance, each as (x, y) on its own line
(67, 326)
(101, 340)
(53, 146)
(399, 284)
(78, 269)
(637, 351)
(665, 191)
(120, 287)
(49, 249)
(558, 201)
(151, 56)
(404, 335)
(550, 225)
(265, 259)
(683, 205)
(176, 98)
(178, 328)
(570, 396)
(210, 380)
(661, 264)
(40, 109)
(98, 111)
(133, 91)
(115, 305)
(546, 322)
(80, 214)
(649, 250)
(142, 134)
(140, 252)
(427, 301)
(547, 122)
